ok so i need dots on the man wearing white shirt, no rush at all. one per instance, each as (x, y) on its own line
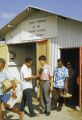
(26, 83)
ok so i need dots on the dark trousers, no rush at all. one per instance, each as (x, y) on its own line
(56, 97)
(27, 99)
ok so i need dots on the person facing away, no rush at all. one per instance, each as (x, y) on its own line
(70, 78)
(72, 86)
(45, 85)
(6, 94)
(60, 74)
(26, 84)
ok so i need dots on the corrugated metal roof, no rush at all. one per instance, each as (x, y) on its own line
(21, 16)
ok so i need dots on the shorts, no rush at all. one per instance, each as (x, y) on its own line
(5, 98)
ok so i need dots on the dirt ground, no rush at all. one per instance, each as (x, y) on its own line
(66, 114)
(77, 115)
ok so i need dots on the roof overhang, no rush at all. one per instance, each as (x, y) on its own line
(20, 17)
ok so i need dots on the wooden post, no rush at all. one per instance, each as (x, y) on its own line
(41, 49)
(4, 52)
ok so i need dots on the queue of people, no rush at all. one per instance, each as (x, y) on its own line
(54, 83)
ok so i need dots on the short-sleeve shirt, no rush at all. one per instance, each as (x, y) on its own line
(46, 73)
(4, 75)
(25, 73)
(60, 75)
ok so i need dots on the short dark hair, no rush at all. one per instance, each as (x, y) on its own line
(28, 59)
(42, 57)
(2, 61)
(60, 60)
(68, 63)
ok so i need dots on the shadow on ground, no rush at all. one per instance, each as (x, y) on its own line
(10, 116)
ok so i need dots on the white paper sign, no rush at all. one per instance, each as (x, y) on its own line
(39, 28)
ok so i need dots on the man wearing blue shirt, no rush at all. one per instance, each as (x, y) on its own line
(60, 84)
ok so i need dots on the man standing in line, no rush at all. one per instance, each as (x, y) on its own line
(26, 83)
(4, 93)
(46, 85)
(60, 84)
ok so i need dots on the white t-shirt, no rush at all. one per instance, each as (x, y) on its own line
(25, 73)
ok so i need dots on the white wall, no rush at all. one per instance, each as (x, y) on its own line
(14, 36)
(37, 26)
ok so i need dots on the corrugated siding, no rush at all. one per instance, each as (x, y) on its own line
(3, 52)
(54, 52)
(69, 33)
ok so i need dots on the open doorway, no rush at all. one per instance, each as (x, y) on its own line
(17, 55)
(72, 55)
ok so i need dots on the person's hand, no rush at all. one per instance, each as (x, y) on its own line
(51, 88)
(66, 89)
(14, 95)
(35, 76)
(66, 86)
(4, 89)
(40, 71)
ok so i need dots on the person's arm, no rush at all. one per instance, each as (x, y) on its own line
(30, 78)
(10, 77)
(51, 79)
(13, 89)
(27, 74)
(71, 74)
(51, 84)
(66, 84)
(66, 80)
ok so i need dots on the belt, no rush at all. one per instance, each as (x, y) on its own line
(44, 80)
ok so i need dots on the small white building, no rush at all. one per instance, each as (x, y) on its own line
(35, 32)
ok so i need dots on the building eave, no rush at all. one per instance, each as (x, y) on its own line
(22, 15)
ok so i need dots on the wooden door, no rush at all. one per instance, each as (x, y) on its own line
(41, 49)
(80, 82)
(3, 52)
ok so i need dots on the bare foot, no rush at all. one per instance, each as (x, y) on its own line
(21, 115)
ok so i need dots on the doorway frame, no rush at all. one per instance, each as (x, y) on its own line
(80, 72)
